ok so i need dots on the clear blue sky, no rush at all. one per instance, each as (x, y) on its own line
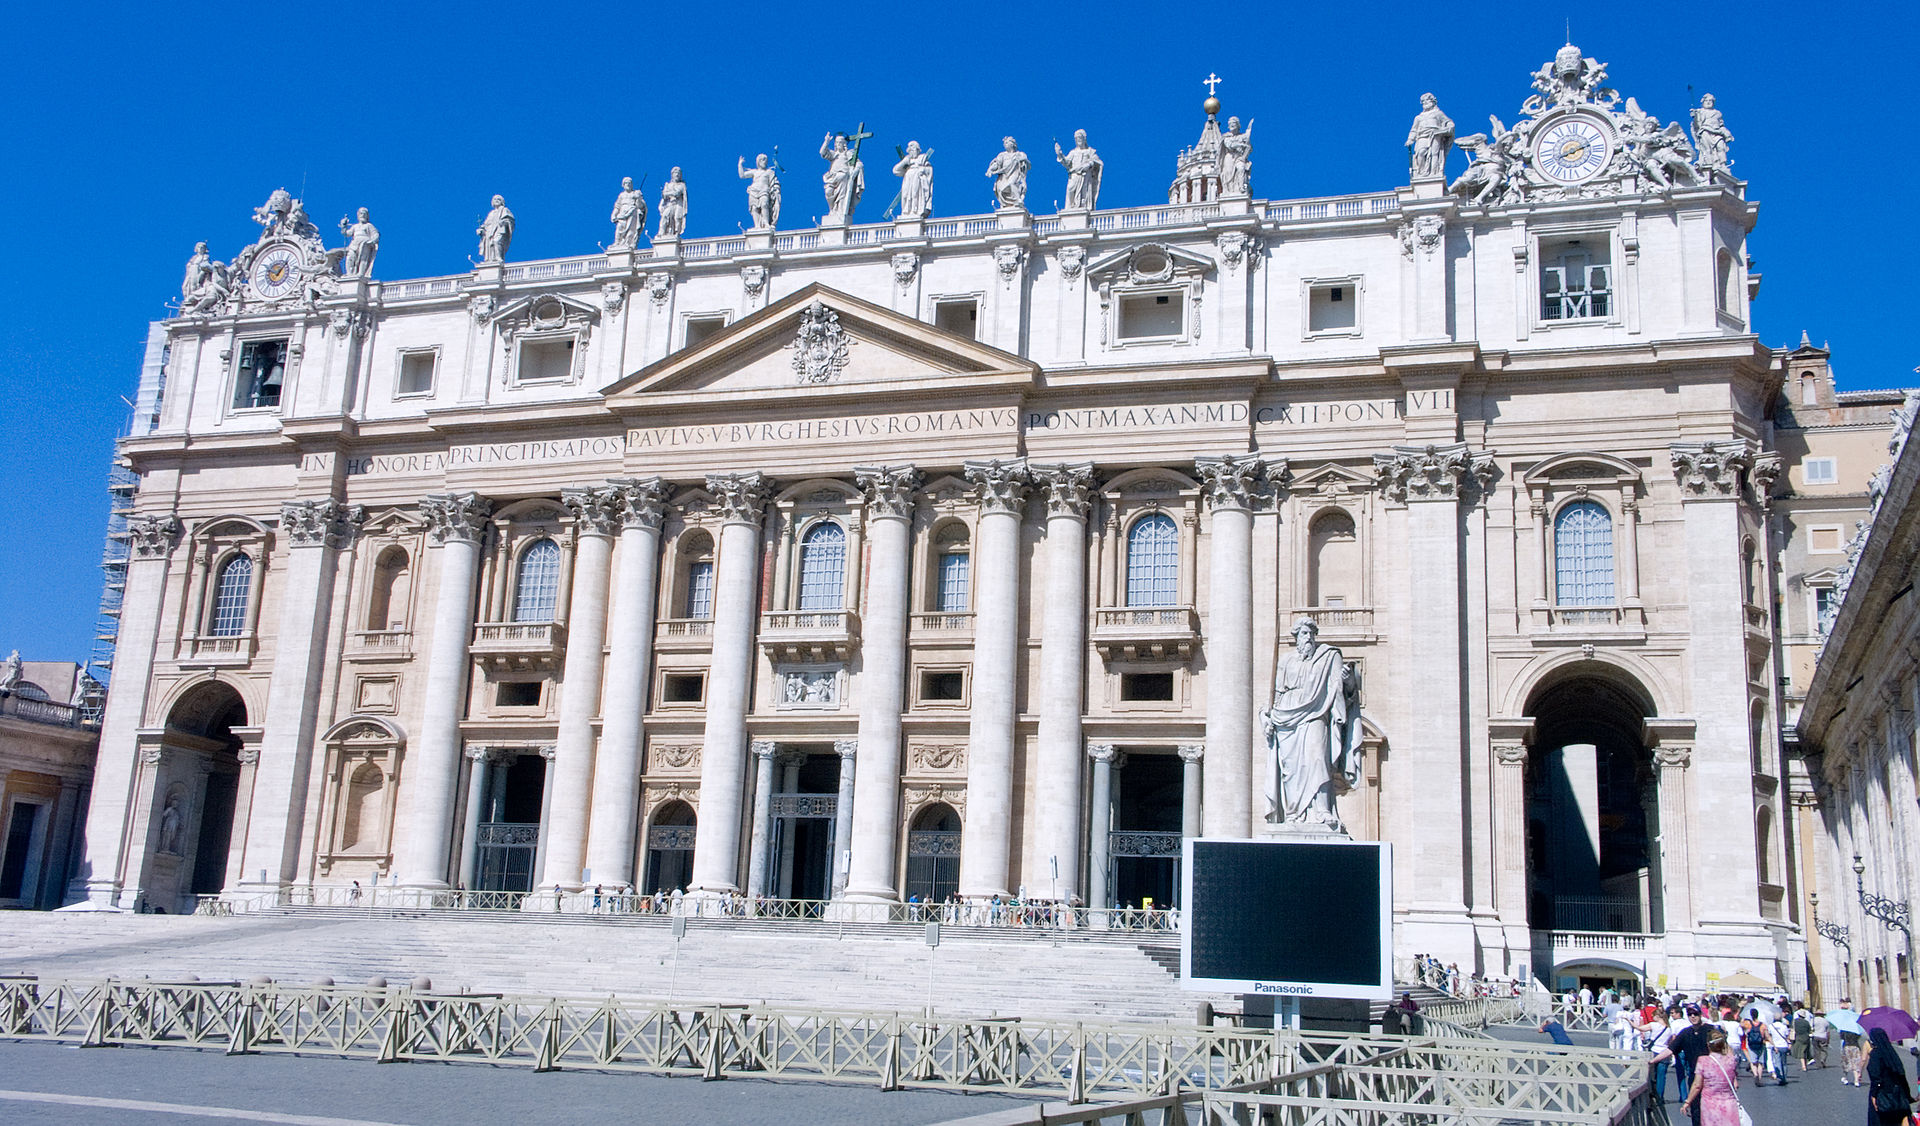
(136, 129)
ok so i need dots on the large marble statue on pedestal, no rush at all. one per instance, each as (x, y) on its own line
(1429, 139)
(1236, 159)
(1312, 733)
(496, 232)
(763, 193)
(673, 205)
(1083, 167)
(1711, 138)
(845, 178)
(1009, 172)
(629, 216)
(915, 170)
(363, 242)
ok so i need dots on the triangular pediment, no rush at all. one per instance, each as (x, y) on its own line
(1330, 478)
(820, 340)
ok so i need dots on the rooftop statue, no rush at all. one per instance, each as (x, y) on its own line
(1236, 159)
(845, 178)
(363, 242)
(673, 205)
(1429, 139)
(1312, 732)
(1083, 167)
(915, 170)
(496, 232)
(1711, 138)
(763, 193)
(629, 216)
(1009, 172)
(272, 214)
(1663, 155)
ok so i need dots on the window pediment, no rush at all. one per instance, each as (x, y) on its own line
(1152, 263)
(546, 313)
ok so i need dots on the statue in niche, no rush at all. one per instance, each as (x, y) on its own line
(763, 193)
(1312, 733)
(1429, 139)
(845, 178)
(629, 215)
(1236, 159)
(673, 205)
(915, 170)
(170, 822)
(496, 233)
(1009, 172)
(363, 242)
(1711, 139)
(1083, 167)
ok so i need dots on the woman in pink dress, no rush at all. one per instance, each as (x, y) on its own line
(1714, 1084)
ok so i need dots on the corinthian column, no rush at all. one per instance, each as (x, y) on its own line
(984, 843)
(1100, 825)
(1063, 655)
(741, 501)
(315, 530)
(458, 522)
(881, 681)
(1191, 756)
(1229, 485)
(843, 814)
(616, 777)
(763, 753)
(594, 521)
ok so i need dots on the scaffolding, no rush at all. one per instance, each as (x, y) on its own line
(122, 485)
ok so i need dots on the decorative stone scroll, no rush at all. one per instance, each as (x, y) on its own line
(889, 489)
(1234, 248)
(905, 265)
(943, 793)
(939, 756)
(1232, 481)
(153, 537)
(678, 756)
(638, 502)
(1008, 258)
(659, 795)
(1709, 469)
(739, 498)
(1192, 752)
(1432, 472)
(1001, 485)
(820, 345)
(456, 516)
(320, 523)
(1510, 754)
(1069, 488)
(1676, 756)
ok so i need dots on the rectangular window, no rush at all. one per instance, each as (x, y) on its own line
(1825, 539)
(1824, 604)
(1332, 308)
(683, 688)
(1146, 686)
(962, 318)
(263, 368)
(1152, 316)
(700, 589)
(943, 686)
(700, 329)
(416, 373)
(546, 361)
(517, 694)
(1820, 470)
(1576, 279)
(954, 579)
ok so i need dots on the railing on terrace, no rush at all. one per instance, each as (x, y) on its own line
(943, 622)
(41, 711)
(1078, 1062)
(559, 268)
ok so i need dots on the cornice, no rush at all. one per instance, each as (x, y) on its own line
(968, 386)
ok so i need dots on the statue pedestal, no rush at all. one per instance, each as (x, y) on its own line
(760, 239)
(487, 274)
(1013, 218)
(666, 246)
(1076, 220)
(1429, 187)
(909, 228)
(619, 261)
(833, 234)
(1236, 205)
(1303, 833)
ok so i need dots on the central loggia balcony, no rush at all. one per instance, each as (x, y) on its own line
(519, 646)
(1145, 632)
(809, 635)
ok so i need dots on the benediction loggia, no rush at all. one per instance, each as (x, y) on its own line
(956, 555)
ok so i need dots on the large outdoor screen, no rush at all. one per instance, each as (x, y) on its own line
(1300, 919)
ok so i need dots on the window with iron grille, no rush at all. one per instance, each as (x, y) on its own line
(1576, 280)
(263, 368)
(537, 586)
(823, 567)
(230, 593)
(1583, 555)
(1153, 562)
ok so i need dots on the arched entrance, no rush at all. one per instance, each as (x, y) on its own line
(933, 854)
(670, 848)
(1593, 877)
(195, 792)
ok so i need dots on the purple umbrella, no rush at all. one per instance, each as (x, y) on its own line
(1897, 1023)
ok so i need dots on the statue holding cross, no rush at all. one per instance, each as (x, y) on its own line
(846, 176)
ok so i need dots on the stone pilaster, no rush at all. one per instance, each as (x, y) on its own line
(1192, 823)
(1100, 825)
(740, 500)
(1230, 485)
(757, 858)
(848, 750)
(1672, 761)
(880, 684)
(479, 761)
(1509, 860)
(1063, 650)
(595, 521)
(458, 523)
(639, 507)
(985, 843)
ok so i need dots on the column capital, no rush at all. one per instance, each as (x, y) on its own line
(1237, 480)
(1673, 756)
(1069, 487)
(321, 523)
(639, 502)
(1431, 472)
(1510, 752)
(1102, 752)
(153, 537)
(1002, 485)
(482, 754)
(1192, 752)
(741, 498)
(846, 748)
(763, 748)
(593, 511)
(1712, 470)
(547, 752)
(456, 516)
(889, 489)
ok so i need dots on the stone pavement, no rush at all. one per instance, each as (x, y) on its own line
(181, 1087)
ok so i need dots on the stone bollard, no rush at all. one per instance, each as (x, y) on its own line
(423, 984)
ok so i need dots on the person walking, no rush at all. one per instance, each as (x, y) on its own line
(1779, 1039)
(1714, 1100)
(1803, 1038)
(1687, 1045)
(1659, 1038)
(1822, 1032)
(1889, 1095)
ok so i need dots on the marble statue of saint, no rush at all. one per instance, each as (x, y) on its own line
(915, 170)
(763, 193)
(363, 242)
(673, 205)
(199, 273)
(10, 673)
(1083, 167)
(1236, 159)
(1312, 732)
(1429, 139)
(844, 179)
(298, 224)
(1009, 172)
(496, 232)
(629, 216)
(1662, 154)
(1711, 138)
(170, 827)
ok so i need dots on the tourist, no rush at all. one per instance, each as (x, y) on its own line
(1851, 1059)
(1620, 1027)
(1688, 1045)
(353, 897)
(1715, 1084)
(1822, 1032)
(1803, 1037)
(1779, 1038)
(1889, 1095)
(1659, 1039)
(1391, 1022)
(1410, 1013)
(1556, 1031)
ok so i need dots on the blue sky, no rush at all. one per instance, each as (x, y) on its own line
(136, 130)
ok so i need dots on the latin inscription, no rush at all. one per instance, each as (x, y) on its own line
(1356, 413)
(1136, 418)
(720, 436)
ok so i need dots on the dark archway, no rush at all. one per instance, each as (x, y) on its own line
(202, 784)
(670, 848)
(933, 854)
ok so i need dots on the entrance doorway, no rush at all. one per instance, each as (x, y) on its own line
(508, 850)
(933, 854)
(196, 790)
(1145, 842)
(670, 849)
(803, 811)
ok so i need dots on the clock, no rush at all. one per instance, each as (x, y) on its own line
(1572, 149)
(275, 273)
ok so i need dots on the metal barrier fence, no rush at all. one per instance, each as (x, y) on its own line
(1076, 1061)
(1018, 916)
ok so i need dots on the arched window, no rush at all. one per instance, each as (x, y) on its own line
(538, 584)
(1583, 555)
(693, 592)
(1333, 559)
(362, 807)
(1153, 562)
(387, 600)
(953, 594)
(823, 567)
(230, 593)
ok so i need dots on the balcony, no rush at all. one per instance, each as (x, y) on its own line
(14, 706)
(683, 634)
(237, 650)
(1145, 632)
(1579, 623)
(939, 627)
(1348, 624)
(809, 635)
(519, 646)
(381, 645)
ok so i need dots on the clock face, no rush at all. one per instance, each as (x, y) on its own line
(1572, 149)
(275, 273)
